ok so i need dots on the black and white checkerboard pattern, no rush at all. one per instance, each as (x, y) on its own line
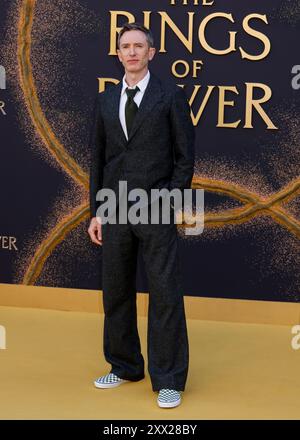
(168, 396)
(109, 379)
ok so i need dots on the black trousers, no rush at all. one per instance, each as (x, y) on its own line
(167, 339)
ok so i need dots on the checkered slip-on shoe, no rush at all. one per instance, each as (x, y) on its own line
(168, 398)
(109, 381)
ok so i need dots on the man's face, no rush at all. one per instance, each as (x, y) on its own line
(134, 51)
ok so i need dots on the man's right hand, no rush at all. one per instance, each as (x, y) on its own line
(95, 230)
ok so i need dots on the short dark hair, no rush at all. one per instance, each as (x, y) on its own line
(136, 26)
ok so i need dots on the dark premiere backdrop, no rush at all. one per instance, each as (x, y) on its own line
(54, 62)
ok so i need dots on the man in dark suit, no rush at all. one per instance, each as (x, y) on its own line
(142, 134)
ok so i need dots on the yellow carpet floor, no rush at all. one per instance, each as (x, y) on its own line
(237, 371)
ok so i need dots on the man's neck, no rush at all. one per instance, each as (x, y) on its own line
(132, 78)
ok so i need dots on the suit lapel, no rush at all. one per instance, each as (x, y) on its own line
(151, 96)
(115, 104)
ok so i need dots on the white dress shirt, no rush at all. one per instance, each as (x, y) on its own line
(142, 84)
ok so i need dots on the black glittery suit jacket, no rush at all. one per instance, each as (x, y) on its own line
(160, 148)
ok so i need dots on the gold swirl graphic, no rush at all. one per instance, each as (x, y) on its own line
(27, 83)
(49, 244)
(254, 204)
(42, 126)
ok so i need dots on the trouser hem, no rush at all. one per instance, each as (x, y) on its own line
(170, 386)
(128, 377)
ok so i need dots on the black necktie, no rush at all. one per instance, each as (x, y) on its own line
(130, 108)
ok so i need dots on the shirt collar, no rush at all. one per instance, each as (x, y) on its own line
(142, 84)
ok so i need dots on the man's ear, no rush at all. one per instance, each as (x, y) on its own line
(118, 53)
(152, 53)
